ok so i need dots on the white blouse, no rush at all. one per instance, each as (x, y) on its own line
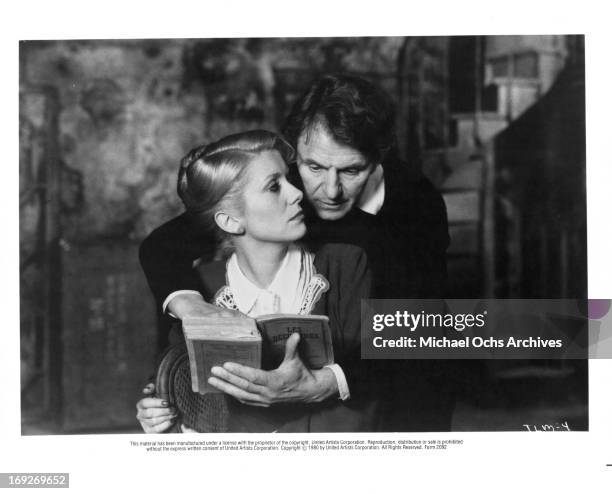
(295, 289)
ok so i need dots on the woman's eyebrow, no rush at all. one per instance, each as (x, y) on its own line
(272, 176)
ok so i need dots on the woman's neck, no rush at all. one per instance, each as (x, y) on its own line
(260, 263)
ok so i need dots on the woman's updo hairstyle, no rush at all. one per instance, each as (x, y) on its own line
(212, 175)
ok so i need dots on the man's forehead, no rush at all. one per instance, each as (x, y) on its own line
(316, 144)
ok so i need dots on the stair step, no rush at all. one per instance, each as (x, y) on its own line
(489, 125)
(462, 206)
(464, 239)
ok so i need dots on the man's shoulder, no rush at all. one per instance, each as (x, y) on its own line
(411, 195)
(403, 182)
(178, 224)
(212, 276)
(162, 236)
(177, 237)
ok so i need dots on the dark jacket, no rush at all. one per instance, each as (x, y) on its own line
(405, 243)
(406, 246)
(345, 268)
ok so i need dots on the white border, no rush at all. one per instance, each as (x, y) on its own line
(493, 461)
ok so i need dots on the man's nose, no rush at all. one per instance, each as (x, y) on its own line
(333, 187)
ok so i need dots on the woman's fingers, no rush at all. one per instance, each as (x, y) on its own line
(152, 412)
(156, 414)
(153, 421)
(158, 428)
(151, 403)
(149, 389)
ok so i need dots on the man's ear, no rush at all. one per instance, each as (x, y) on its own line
(229, 223)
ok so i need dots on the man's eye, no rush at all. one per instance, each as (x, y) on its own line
(315, 168)
(350, 172)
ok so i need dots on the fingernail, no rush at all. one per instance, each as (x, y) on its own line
(164, 403)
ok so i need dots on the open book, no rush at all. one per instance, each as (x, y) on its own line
(259, 343)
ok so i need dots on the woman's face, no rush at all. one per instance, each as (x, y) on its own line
(271, 210)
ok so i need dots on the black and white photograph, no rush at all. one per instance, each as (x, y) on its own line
(159, 179)
(233, 230)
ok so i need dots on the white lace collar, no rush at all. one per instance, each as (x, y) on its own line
(294, 290)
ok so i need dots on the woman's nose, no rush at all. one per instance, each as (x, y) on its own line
(295, 194)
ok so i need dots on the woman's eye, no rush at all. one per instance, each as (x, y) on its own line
(274, 187)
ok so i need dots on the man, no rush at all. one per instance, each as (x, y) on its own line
(344, 131)
(355, 191)
(355, 188)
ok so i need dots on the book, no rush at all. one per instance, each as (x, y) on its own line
(258, 343)
(315, 347)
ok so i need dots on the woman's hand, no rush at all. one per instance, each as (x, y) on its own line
(292, 382)
(154, 414)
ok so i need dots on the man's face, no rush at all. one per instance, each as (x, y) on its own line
(333, 174)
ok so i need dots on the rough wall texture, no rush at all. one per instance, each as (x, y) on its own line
(111, 120)
(123, 123)
(126, 112)
(130, 109)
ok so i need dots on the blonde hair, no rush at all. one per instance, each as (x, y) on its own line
(212, 175)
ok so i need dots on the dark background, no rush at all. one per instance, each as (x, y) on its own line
(496, 122)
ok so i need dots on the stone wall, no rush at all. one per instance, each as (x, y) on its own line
(130, 109)
(109, 121)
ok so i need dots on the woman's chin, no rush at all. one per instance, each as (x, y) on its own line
(301, 231)
(288, 235)
(296, 234)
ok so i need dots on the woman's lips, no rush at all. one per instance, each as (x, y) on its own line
(298, 215)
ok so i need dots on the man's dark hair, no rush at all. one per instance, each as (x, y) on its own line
(354, 111)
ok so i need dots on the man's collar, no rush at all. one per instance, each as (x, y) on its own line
(373, 195)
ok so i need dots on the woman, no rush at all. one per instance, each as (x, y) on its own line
(239, 187)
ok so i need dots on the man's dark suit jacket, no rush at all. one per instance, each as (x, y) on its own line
(405, 244)
(406, 241)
